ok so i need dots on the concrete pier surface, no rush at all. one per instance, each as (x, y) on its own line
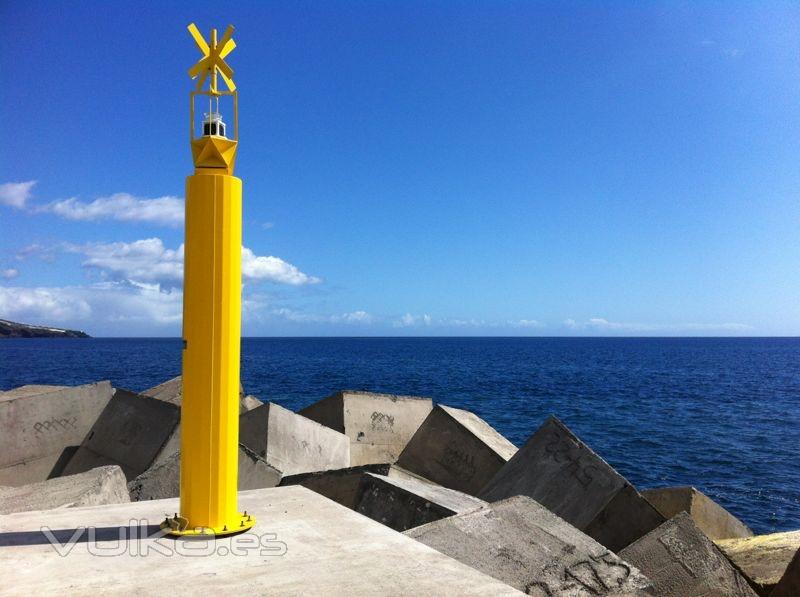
(303, 544)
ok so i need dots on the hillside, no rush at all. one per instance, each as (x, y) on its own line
(11, 329)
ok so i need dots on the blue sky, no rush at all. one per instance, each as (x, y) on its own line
(415, 168)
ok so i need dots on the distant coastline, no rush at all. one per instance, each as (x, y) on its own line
(12, 329)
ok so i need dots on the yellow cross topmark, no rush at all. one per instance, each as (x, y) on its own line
(213, 63)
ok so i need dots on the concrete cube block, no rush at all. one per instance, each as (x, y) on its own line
(163, 480)
(378, 425)
(292, 443)
(130, 432)
(172, 391)
(565, 476)
(521, 543)
(789, 584)
(249, 403)
(103, 485)
(169, 391)
(42, 426)
(680, 560)
(456, 449)
(173, 445)
(763, 559)
(341, 485)
(402, 504)
(29, 390)
(714, 520)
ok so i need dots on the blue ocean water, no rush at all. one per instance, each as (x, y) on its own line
(720, 414)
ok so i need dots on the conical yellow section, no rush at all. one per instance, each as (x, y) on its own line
(214, 152)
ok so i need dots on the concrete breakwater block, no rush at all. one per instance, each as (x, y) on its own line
(248, 403)
(29, 390)
(789, 584)
(341, 485)
(763, 559)
(292, 443)
(714, 520)
(680, 560)
(43, 425)
(405, 503)
(565, 476)
(172, 391)
(130, 432)
(378, 425)
(528, 547)
(457, 449)
(164, 479)
(103, 485)
(173, 444)
(302, 544)
(169, 391)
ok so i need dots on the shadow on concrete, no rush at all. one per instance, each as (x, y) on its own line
(78, 535)
(62, 461)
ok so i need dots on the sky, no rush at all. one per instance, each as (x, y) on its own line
(413, 168)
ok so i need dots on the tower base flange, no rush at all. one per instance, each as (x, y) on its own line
(179, 527)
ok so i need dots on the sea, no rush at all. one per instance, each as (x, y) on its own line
(721, 414)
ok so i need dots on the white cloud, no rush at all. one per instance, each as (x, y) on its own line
(16, 194)
(36, 250)
(9, 273)
(142, 261)
(44, 304)
(267, 225)
(274, 269)
(525, 323)
(166, 211)
(98, 304)
(601, 324)
(103, 304)
(138, 303)
(124, 207)
(356, 317)
(148, 261)
(409, 320)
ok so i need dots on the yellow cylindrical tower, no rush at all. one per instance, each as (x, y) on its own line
(211, 314)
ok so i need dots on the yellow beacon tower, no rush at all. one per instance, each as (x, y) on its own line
(211, 309)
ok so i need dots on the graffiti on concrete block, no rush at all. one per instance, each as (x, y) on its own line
(456, 461)
(55, 425)
(382, 422)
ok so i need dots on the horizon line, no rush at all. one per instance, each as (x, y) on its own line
(310, 337)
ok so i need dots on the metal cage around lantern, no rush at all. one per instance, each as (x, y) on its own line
(211, 95)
